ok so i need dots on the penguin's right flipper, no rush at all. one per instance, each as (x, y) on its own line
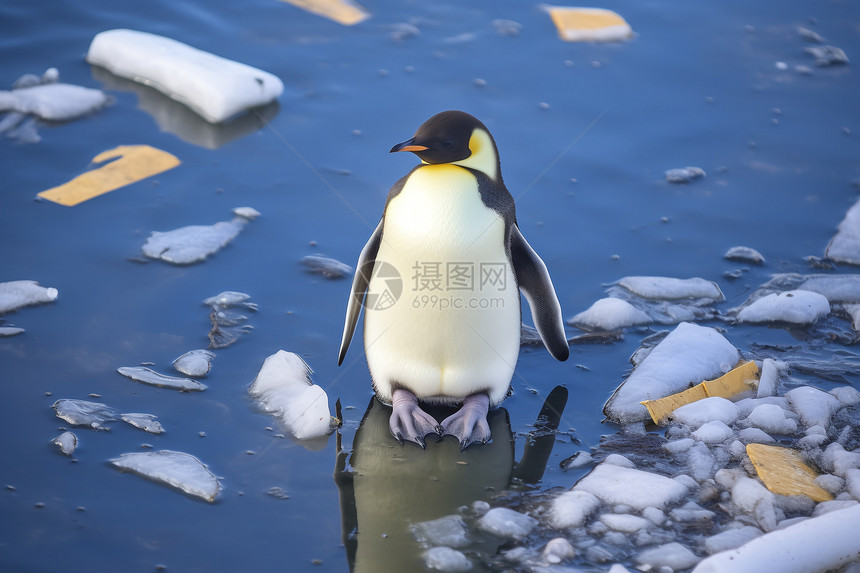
(360, 282)
(533, 279)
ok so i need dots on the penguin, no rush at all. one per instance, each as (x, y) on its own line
(440, 281)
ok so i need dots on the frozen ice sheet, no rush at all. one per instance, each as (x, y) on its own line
(17, 294)
(153, 378)
(176, 469)
(283, 387)
(214, 87)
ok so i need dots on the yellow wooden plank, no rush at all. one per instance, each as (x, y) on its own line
(343, 12)
(783, 471)
(588, 24)
(740, 379)
(131, 163)
(662, 407)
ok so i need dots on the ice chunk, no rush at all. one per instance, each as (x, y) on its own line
(706, 410)
(615, 485)
(84, 413)
(230, 298)
(837, 460)
(852, 482)
(812, 545)
(283, 387)
(16, 294)
(227, 325)
(848, 395)
(684, 174)
(449, 531)
(572, 508)
(329, 268)
(678, 446)
(446, 559)
(153, 378)
(771, 419)
(667, 288)
(507, 523)
(754, 436)
(691, 511)
(750, 497)
(769, 380)
(701, 462)
(610, 314)
(672, 555)
(176, 469)
(578, 460)
(66, 443)
(814, 406)
(827, 56)
(689, 354)
(214, 87)
(246, 213)
(146, 422)
(623, 522)
(194, 243)
(730, 538)
(713, 432)
(557, 550)
(53, 102)
(796, 307)
(744, 254)
(830, 483)
(195, 363)
(10, 330)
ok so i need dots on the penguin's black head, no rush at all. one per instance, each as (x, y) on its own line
(454, 137)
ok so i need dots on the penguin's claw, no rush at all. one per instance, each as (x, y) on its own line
(408, 421)
(469, 423)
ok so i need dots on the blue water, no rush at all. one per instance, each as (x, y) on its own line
(698, 85)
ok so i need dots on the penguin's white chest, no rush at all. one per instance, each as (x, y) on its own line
(455, 328)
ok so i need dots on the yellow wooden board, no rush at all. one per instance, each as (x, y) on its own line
(740, 379)
(343, 12)
(589, 24)
(131, 163)
(783, 471)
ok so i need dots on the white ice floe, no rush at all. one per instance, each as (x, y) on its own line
(17, 294)
(610, 314)
(283, 387)
(324, 266)
(771, 419)
(194, 363)
(146, 422)
(754, 436)
(684, 174)
(572, 508)
(769, 379)
(750, 497)
(624, 522)
(449, 531)
(230, 298)
(689, 354)
(730, 538)
(815, 407)
(672, 555)
(54, 101)
(214, 87)
(818, 544)
(446, 559)
(557, 550)
(713, 432)
(176, 469)
(616, 485)
(153, 378)
(744, 254)
(10, 330)
(194, 243)
(700, 412)
(796, 306)
(848, 395)
(85, 413)
(668, 288)
(66, 443)
(507, 523)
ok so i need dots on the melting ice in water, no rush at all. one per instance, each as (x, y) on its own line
(283, 387)
(17, 294)
(176, 469)
(228, 325)
(153, 378)
(195, 363)
(96, 415)
(66, 443)
(192, 244)
(329, 268)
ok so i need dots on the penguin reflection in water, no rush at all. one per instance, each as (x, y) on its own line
(454, 339)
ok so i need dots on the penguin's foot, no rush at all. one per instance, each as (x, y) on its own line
(469, 423)
(408, 421)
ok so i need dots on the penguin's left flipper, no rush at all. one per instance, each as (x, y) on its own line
(360, 282)
(533, 279)
(469, 423)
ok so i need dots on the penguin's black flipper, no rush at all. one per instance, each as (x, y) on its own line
(360, 282)
(534, 281)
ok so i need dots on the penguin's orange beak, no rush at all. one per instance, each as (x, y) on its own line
(408, 145)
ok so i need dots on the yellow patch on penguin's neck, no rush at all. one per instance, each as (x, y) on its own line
(483, 156)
